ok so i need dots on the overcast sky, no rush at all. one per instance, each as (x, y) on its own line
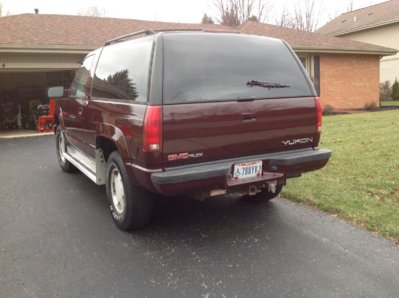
(185, 11)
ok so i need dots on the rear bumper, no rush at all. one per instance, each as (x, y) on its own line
(217, 174)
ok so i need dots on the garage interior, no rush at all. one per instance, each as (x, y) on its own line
(23, 97)
(24, 80)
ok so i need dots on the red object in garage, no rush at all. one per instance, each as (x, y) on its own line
(45, 123)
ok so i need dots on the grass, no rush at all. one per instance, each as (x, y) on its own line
(390, 103)
(361, 182)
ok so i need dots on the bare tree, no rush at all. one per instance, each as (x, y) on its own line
(304, 17)
(285, 19)
(236, 12)
(228, 12)
(4, 13)
(207, 20)
(93, 11)
(350, 5)
(307, 17)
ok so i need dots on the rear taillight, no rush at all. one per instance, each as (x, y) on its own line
(319, 114)
(152, 135)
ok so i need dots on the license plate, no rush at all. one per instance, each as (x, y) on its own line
(247, 170)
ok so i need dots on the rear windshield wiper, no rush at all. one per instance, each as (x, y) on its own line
(268, 85)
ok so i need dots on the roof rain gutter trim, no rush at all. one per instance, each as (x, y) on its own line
(300, 49)
(45, 49)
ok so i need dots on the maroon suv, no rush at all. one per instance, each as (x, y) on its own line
(195, 113)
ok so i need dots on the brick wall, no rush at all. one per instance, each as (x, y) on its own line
(349, 81)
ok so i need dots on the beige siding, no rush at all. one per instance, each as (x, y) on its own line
(387, 36)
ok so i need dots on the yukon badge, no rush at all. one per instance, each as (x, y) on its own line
(297, 141)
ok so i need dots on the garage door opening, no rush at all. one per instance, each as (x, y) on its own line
(23, 98)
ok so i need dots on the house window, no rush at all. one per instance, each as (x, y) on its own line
(316, 74)
(311, 64)
(303, 61)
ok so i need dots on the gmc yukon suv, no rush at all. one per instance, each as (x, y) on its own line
(197, 113)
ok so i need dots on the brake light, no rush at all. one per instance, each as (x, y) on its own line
(152, 135)
(319, 114)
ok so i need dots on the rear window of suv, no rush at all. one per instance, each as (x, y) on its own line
(207, 67)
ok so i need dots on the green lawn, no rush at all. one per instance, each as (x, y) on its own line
(390, 103)
(361, 181)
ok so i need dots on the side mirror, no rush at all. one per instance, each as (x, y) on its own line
(54, 92)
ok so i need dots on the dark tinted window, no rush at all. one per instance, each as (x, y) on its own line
(212, 67)
(82, 75)
(123, 69)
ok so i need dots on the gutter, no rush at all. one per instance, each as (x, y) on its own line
(45, 49)
(83, 50)
(328, 50)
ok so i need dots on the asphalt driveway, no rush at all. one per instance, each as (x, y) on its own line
(57, 239)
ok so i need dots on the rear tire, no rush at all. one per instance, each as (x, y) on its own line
(263, 196)
(65, 165)
(131, 207)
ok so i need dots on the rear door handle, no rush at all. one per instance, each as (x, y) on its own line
(248, 116)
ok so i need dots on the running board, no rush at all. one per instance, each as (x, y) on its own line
(93, 169)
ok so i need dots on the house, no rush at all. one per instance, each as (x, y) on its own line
(37, 51)
(345, 73)
(377, 24)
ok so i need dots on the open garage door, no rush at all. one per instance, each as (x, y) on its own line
(23, 96)
(24, 79)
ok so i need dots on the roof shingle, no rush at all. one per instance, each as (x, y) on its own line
(312, 41)
(92, 32)
(362, 19)
(68, 30)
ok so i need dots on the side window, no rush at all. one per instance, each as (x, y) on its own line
(123, 70)
(82, 75)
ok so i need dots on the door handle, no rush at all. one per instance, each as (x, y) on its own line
(248, 116)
